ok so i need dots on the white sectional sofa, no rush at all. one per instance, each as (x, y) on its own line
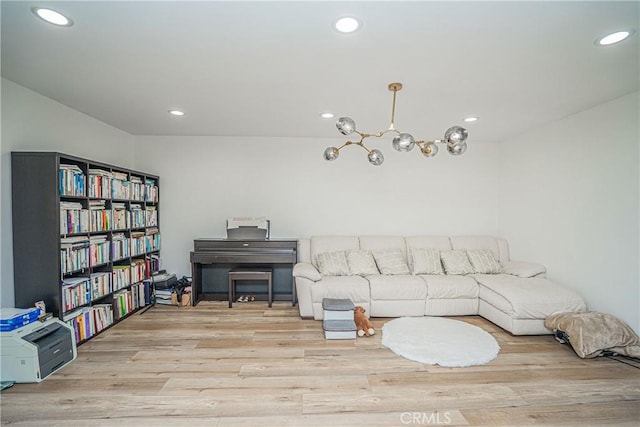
(394, 276)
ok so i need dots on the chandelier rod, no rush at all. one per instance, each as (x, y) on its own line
(394, 87)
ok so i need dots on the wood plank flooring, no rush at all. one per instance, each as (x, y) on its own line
(255, 366)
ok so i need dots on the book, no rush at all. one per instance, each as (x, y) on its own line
(339, 329)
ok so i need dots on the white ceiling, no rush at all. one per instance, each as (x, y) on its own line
(270, 68)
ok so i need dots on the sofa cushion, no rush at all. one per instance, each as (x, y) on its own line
(333, 263)
(321, 244)
(524, 269)
(483, 261)
(361, 263)
(400, 287)
(425, 261)
(476, 242)
(391, 262)
(451, 287)
(456, 262)
(527, 298)
(355, 288)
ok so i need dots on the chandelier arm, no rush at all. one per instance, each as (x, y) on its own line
(380, 134)
(364, 148)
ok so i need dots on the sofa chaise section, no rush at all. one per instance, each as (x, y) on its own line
(520, 305)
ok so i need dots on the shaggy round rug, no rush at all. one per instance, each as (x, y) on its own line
(439, 341)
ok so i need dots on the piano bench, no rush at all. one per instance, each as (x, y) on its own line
(236, 274)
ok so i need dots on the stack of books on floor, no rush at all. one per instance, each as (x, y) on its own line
(338, 323)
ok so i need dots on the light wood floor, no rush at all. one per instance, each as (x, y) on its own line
(254, 366)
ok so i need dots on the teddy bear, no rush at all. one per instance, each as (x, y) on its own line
(363, 324)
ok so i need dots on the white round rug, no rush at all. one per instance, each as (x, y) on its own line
(439, 341)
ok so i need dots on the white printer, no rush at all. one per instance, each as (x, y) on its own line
(32, 352)
(248, 228)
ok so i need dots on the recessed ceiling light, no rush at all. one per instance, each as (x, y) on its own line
(347, 24)
(470, 119)
(176, 112)
(614, 38)
(326, 115)
(52, 16)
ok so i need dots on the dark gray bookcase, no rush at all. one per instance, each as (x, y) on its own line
(37, 233)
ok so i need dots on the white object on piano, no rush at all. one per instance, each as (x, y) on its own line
(247, 221)
(248, 228)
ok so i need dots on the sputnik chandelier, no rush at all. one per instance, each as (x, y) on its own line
(455, 138)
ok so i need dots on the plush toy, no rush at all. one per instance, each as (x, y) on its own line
(362, 323)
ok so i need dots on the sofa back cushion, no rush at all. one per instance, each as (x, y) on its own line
(456, 262)
(362, 263)
(429, 242)
(333, 263)
(327, 244)
(442, 243)
(425, 261)
(461, 243)
(483, 261)
(304, 250)
(383, 243)
(391, 262)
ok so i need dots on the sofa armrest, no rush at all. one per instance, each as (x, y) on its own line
(524, 269)
(306, 270)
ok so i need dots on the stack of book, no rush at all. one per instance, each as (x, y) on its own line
(338, 323)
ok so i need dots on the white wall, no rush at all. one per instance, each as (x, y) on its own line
(569, 199)
(205, 180)
(31, 122)
(566, 195)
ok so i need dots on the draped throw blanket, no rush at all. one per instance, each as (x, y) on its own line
(591, 333)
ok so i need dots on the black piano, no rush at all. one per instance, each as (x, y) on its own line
(211, 260)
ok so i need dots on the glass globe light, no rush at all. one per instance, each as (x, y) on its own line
(375, 157)
(457, 149)
(346, 125)
(455, 135)
(429, 149)
(331, 153)
(403, 142)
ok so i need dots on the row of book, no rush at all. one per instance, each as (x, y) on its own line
(121, 277)
(79, 291)
(121, 216)
(81, 252)
(126, 301)
(99, 250)
(120, 246)
(100, 183)
(75, 219)
(145, 241)
(72, 181)
(88, 321)
(106, 184)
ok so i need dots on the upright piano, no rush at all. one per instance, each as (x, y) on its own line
(211, 260)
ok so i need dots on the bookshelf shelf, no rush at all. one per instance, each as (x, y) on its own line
(76, 245)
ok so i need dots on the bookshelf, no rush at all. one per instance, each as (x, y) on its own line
(86, 237)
